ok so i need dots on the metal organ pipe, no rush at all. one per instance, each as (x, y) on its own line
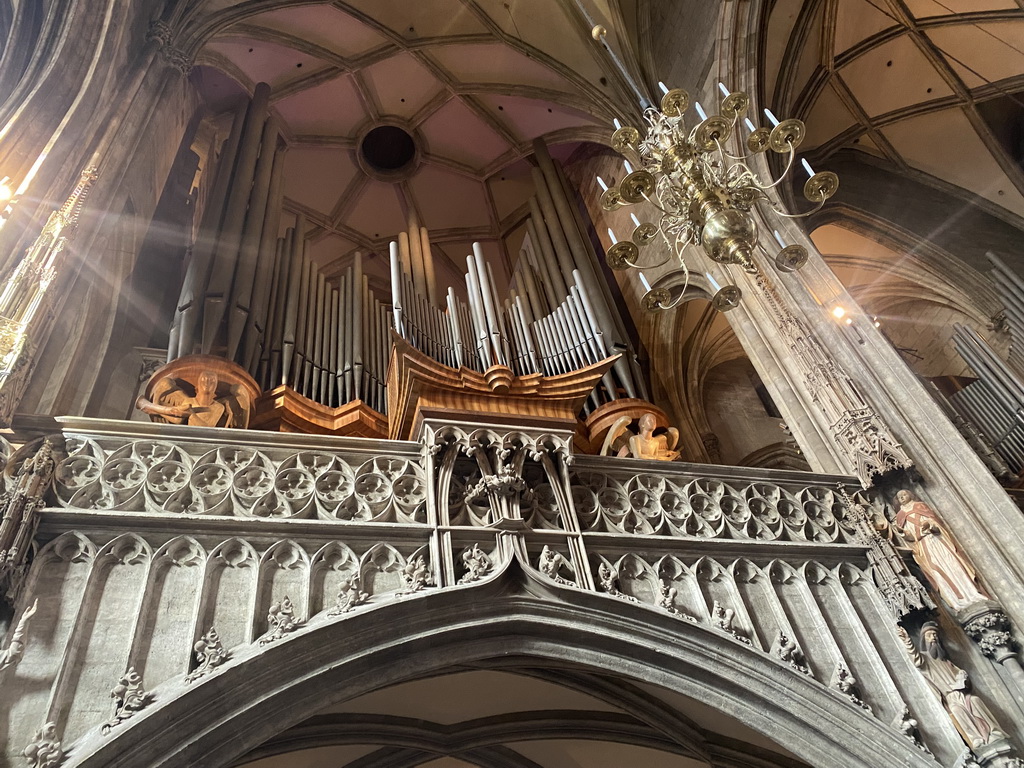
(226, 253)
(193, 288)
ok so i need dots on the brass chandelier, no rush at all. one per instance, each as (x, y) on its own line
(704, 194)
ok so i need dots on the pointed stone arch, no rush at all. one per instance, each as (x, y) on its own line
(513, 614)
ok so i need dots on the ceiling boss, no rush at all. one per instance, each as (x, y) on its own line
(704, 194)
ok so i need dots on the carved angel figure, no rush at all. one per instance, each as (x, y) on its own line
(788, 651)
(951, 684)
(642, 445)
(550, 563)
(214, 404)
(12, 654)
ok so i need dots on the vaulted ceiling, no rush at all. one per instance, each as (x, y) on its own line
(519, 717)
(473, 82)
(929, 88)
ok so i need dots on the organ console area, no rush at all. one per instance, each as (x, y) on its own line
(257, 311)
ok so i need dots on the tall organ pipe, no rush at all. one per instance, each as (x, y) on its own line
(198, 271)
(241, 296)
(226, 254)
(267, 266)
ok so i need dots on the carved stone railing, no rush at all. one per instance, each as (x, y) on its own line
(159, 533)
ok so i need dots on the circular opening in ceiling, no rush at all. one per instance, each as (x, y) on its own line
(388, 149)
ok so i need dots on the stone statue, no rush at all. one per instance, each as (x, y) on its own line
(12, 654)
(129, 697)
(44, 751)
(951, 684)
(787, 650)
(936, 552)
(642, 445)
(213, 405)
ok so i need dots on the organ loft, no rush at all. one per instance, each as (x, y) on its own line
(527, 384)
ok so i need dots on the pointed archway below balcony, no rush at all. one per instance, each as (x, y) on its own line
(515, 615)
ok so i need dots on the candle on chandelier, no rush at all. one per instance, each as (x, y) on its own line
(714, 283)
(647, 286)
(664, 88)
(807, 166)
(604, 187)
(611, 234)
(700, 110)
(770, 116)
(629, 168)
(723, 89)
(750, 125)
(636, 221)
(616, 123)
(778, 237)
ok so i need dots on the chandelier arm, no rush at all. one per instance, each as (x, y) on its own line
(785, 172)
(650, 266)
(741, 158)
(803, 215)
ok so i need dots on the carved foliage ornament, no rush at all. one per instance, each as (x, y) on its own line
(210, 654)
(129, 697)
(44, 751)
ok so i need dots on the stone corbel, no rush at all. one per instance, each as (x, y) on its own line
(161, 33)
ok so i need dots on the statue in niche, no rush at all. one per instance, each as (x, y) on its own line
(951, 684)
(937, 553)
(643, 444)
(213, 404)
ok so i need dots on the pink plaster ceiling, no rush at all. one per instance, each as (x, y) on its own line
(326, 27)
(474, 83)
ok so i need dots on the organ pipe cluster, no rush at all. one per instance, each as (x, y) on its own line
(558, 318)
(993, 403)
(260, 301)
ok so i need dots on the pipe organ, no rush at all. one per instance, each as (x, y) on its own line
(994, 403)
(259, 301)
(558, 317)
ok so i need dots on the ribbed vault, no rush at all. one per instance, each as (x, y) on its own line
(473, 82)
